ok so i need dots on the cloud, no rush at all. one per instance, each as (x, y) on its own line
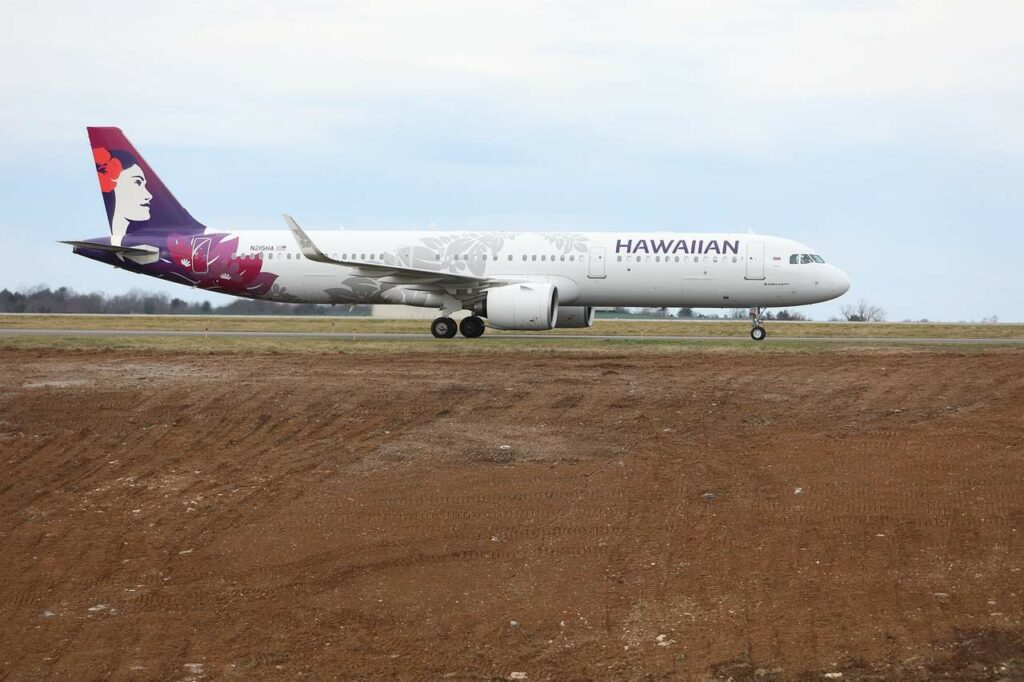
(751, 78)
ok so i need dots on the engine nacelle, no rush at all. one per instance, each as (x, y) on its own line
(570, 316)
(524, 306)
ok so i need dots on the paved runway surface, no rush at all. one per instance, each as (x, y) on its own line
(395, 335)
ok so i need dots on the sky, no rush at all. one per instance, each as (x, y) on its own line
(888, 135)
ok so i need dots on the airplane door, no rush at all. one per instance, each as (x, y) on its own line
(201, 255)
(755, 260)
(414, 256)
(405, 256)
(596, 269)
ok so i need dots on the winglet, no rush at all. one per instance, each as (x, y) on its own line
(306, 245)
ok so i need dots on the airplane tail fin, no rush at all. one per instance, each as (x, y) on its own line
(136, 200)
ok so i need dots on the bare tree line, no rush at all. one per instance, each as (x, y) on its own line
(862, 311)
(137, 302)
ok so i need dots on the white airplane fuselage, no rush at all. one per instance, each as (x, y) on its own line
(588, 269)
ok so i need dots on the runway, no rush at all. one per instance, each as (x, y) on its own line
(544, 336)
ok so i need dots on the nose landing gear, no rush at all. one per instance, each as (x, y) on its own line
(758, 332)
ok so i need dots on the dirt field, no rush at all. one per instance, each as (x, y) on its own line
(559, 515)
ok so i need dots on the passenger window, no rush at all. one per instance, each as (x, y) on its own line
(543, 257)
(572, 258)
(533, 257)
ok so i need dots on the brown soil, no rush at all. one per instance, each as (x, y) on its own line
(718, 514)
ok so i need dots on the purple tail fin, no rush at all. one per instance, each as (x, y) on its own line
(137, 202)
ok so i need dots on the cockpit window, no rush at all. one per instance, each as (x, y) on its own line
(805, 258)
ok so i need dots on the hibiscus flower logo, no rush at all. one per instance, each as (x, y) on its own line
(108, 168)
(212, 261)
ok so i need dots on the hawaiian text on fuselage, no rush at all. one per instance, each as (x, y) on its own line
(677, 246)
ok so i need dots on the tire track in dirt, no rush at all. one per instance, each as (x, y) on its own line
(265, 515)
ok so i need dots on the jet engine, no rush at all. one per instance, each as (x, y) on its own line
(570, 316)
(524, 306)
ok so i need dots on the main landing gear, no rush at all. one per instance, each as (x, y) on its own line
(757, 332)
(471, 327)
(445, 327)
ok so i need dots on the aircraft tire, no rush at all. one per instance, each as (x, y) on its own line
(443, 328)
(471, 327)
(758, 333)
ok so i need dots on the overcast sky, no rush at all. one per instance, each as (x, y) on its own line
(889, 135)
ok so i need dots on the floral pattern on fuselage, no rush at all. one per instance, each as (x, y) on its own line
(210, 261)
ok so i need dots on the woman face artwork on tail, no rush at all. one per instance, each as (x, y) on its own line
(123, 184)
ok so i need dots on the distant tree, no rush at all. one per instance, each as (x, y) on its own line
(790, 315)
(685, 312)
(862, 311)
(67, 301)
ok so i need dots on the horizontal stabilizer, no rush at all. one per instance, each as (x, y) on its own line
(123, 250)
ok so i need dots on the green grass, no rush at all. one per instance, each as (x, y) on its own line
(726, 329)
(199, 345)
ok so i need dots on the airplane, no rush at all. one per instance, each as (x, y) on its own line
(513, 280)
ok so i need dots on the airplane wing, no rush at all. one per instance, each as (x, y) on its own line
(416, 278)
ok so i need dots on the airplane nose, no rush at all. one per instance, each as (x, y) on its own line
(841, 282)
